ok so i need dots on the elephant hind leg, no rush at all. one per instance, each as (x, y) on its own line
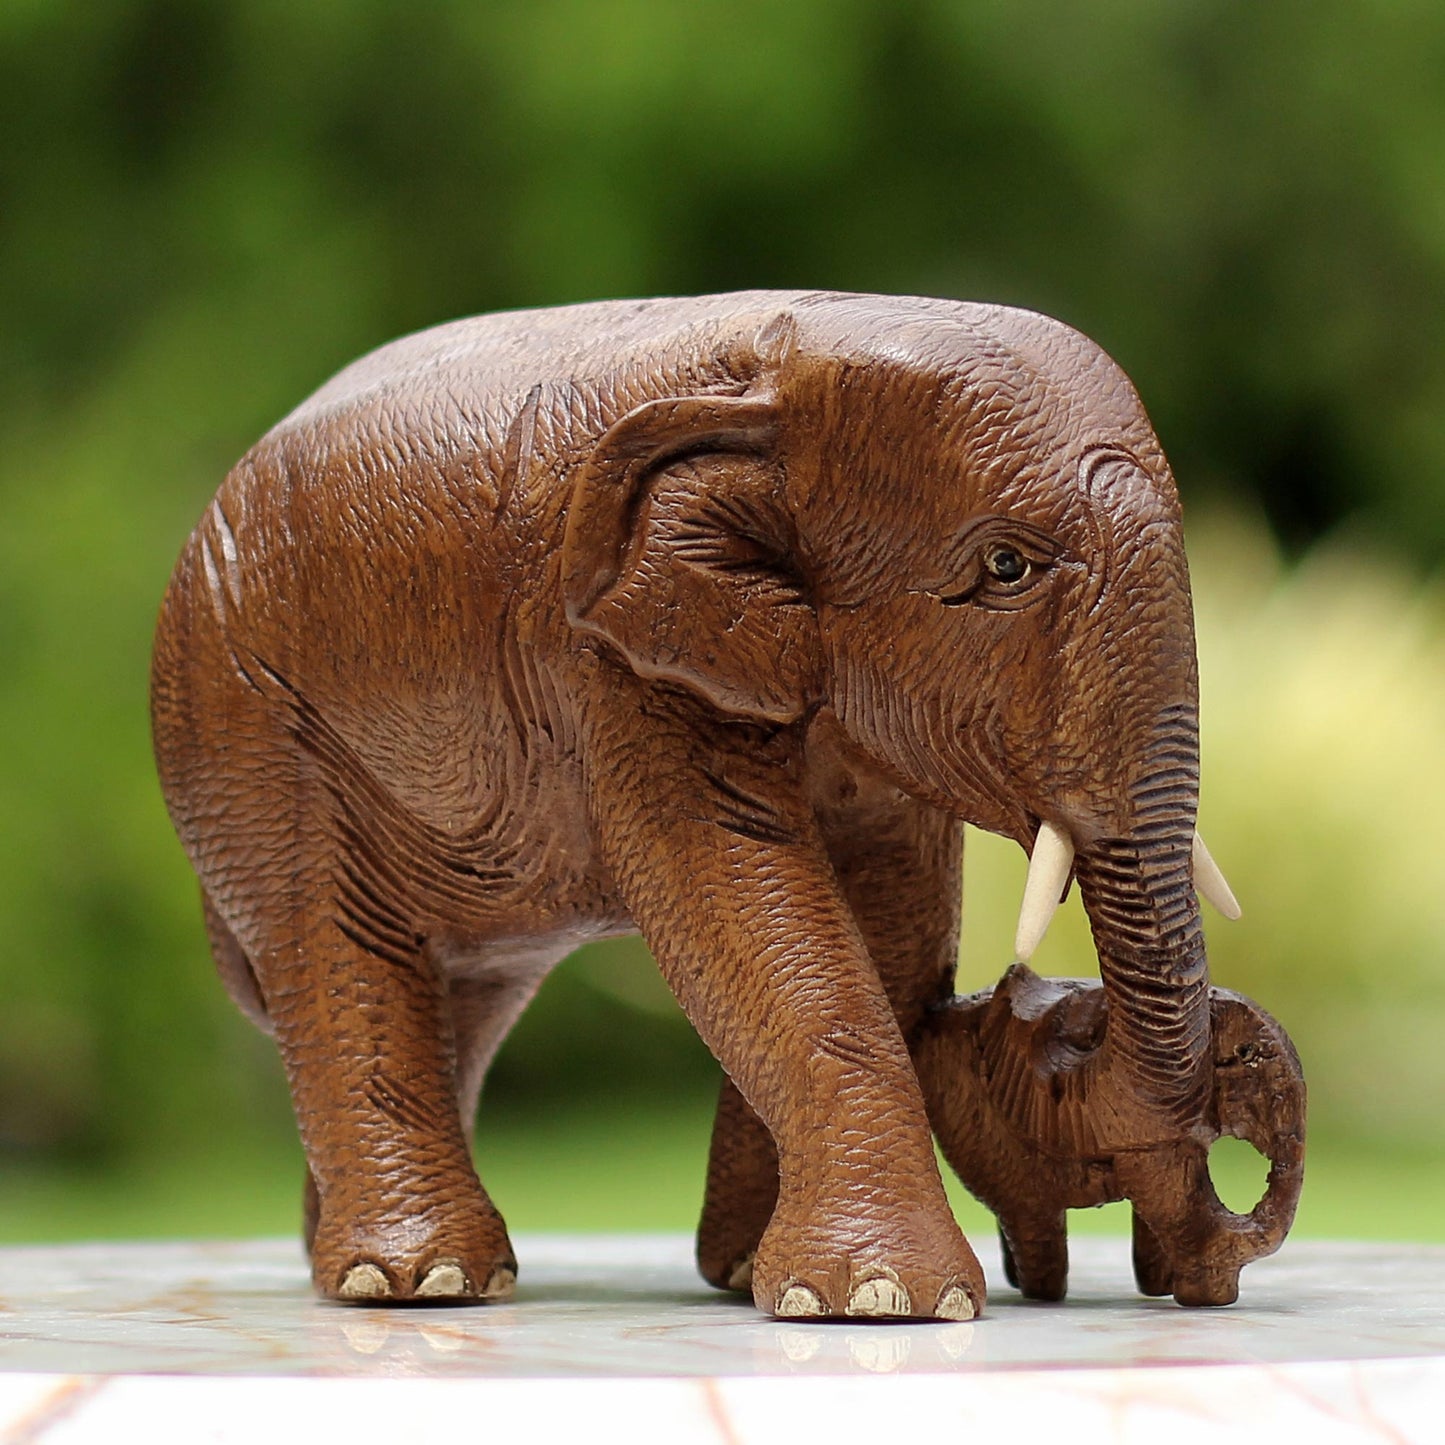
(742, 1192)
(324, 943)
(486, 999)
(233, 966)
(483, 1012)
(240, 981)
(361, 1013)
(385, 1055)
(394, 1209)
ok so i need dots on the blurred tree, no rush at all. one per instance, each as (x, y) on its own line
(1242, 201)
(207, 207)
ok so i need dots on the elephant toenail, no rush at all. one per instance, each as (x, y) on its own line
(501, 1284)
(742, 1276)
(879, 1297)
(444, 1280)
(797, 1301)
(954, 1304)
(365, 1281)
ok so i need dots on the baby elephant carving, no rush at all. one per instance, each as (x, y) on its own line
(1008, 1074)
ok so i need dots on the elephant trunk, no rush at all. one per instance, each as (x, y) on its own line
(1138, 890)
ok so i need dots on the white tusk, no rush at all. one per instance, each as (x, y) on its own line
(1053, 856)
(1209, 881)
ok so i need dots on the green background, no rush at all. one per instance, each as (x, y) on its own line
(205, 208)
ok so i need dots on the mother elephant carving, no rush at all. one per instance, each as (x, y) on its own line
(713, 618)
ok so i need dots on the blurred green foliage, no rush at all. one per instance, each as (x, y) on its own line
(609, 1164)
(207, 207)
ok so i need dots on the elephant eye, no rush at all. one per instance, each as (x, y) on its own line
(1006, 564)
(1002, 571)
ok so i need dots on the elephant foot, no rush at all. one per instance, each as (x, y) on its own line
(465, 1258)
(727, 1263)
(740, 1276)
(446, 1281)
(1193, 1283)
(728, 1268)
(1186, 1243)
(804, 1273)
(880, 1297)
(1206, 1287)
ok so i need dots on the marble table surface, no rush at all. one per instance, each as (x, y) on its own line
(615, 1335)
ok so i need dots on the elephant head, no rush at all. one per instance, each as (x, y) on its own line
(953, 527)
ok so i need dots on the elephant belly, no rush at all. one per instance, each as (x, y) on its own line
(454, 833)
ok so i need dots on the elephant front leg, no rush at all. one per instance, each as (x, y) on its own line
(718, 854)
(898, 863)
(1153, 1272)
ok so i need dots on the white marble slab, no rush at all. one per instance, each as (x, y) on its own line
(617, 1337)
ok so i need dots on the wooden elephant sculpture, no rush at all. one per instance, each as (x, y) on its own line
(713, 618)
(1001, 1066)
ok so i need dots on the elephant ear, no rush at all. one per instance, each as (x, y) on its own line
(679, 554)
